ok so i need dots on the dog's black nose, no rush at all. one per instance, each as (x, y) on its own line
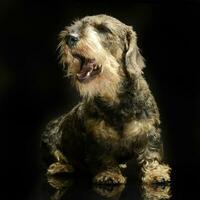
(72, 40)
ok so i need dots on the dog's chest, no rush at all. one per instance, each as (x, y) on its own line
(104, 135)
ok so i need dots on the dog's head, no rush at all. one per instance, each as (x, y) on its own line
(97, 51)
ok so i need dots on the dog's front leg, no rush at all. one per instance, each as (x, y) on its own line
(149, 154)
(60, 166)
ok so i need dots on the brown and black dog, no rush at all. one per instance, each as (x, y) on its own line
(118, 116)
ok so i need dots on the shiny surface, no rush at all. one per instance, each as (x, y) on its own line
(68, 189)
(183, 186)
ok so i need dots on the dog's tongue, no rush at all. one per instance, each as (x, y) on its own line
(86, 70)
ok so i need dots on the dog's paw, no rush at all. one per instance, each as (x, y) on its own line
(156, 174)
(58, 167)
(109, 178)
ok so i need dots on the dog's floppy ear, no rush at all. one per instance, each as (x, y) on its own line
(134, 61)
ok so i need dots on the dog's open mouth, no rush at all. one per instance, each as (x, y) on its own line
(89, 69)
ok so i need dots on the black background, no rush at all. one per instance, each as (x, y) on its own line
(33, 90)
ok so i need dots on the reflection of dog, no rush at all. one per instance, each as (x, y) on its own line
(156, 192)
(62, 188)
(118, 115)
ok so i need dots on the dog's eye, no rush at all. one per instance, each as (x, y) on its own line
(102, 28)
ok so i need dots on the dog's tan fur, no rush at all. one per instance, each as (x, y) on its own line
(118, 116)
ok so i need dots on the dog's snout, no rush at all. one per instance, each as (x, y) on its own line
(72, 40)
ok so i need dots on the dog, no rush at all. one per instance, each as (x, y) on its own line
(117, 118)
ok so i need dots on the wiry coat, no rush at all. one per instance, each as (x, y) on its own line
(109, 126)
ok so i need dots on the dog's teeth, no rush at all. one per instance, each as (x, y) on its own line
(88, 74)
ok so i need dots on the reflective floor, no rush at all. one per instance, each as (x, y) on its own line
(60, 189)
(184, 186)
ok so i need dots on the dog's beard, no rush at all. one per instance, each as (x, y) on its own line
(106, 84)
(104, 81)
